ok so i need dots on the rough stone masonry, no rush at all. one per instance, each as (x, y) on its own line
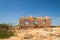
(32, 22)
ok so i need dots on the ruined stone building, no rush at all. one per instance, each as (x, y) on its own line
(32, 22)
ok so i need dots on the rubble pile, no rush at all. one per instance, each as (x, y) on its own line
(37, 34)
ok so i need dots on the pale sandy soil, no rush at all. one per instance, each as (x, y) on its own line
(37, 34)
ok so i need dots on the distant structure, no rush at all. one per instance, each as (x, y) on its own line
(32, 22)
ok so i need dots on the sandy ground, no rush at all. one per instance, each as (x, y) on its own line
(37, 34)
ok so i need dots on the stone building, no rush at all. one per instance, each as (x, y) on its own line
(32, 22)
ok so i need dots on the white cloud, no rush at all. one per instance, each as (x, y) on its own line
(55, 21)
(57, 18)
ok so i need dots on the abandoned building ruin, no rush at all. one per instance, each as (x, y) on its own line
(32, 22)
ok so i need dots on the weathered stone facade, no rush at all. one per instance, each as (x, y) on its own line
(32, 22)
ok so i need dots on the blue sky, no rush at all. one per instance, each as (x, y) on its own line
(12, 10)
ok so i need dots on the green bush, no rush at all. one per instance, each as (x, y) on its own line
(5, 31)
(6, 34)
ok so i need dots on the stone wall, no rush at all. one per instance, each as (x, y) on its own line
(32, 22)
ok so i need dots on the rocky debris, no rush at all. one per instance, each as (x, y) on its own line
(41, 34)
(37, 34)
(15, 38)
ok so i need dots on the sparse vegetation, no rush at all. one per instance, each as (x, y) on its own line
(55, 26)
(5, 31)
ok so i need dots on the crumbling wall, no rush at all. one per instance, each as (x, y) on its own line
(32, 22)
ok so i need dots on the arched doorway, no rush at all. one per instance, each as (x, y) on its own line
(26, 22)
(44, 22)
(36, 24)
